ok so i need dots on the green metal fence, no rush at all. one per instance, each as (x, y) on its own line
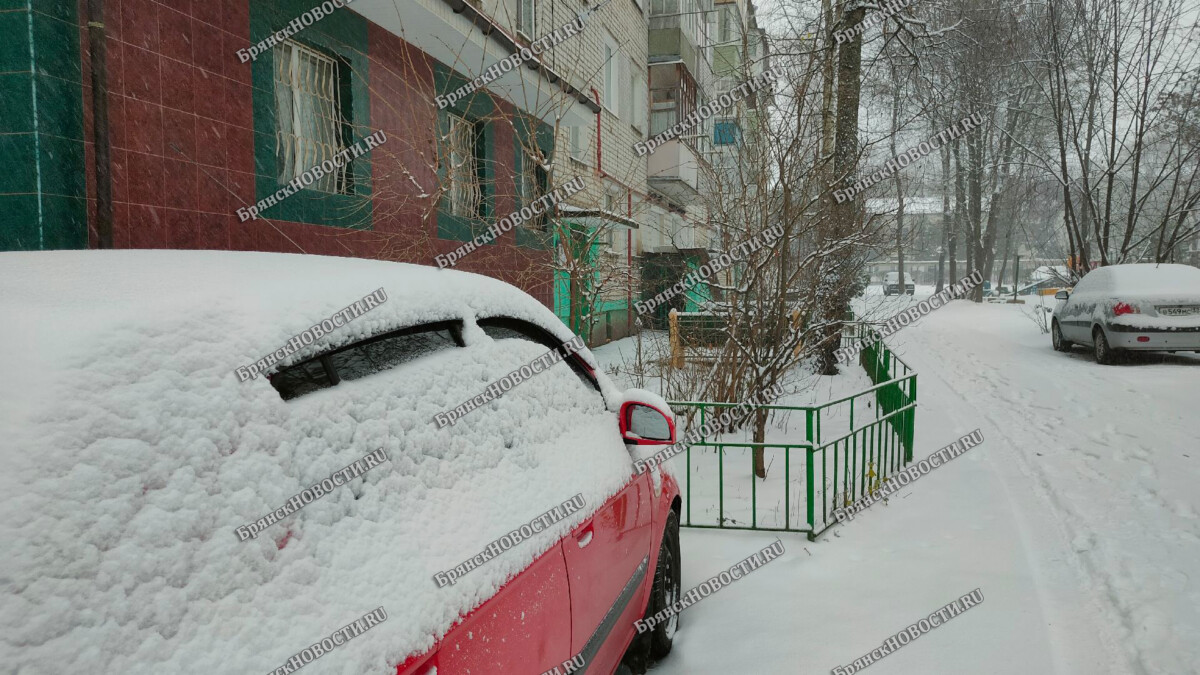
(872, 434)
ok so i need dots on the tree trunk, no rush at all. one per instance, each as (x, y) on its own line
(843, 217)
(760, 435)
(945, 152)
(959, 213)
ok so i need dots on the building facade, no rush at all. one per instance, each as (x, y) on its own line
(215, 109)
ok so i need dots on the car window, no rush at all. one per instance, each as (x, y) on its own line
(504, 328)
(367, 357)
(1096, 280)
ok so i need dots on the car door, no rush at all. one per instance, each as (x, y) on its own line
(608, 569)
(607, 556)
(522, 630)
(1072, 317)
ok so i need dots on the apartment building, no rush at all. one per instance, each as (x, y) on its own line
(211, 109)
(739, 54)
(597, 280)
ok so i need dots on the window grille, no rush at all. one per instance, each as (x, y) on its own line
(463, 169)
(310, 120)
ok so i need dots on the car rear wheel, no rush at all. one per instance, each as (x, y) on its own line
(666, 589)
(1104, 353)
(1056, 337)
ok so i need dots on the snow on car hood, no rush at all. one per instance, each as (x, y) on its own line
(131, 453)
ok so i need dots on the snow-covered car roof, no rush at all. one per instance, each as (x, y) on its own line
(131, 452)
(263, 298)
(1152, 278)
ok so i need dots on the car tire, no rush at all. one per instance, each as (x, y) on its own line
(1100, 348)
(1057, 339)
(666, 589)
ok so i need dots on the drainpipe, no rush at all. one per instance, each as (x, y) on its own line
(100, 139)
(599, 154)
(629, 265)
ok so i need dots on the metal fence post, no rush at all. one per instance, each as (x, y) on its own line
(809, 469)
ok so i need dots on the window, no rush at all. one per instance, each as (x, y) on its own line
(531, 186)
(726, 132)
(365, 358)
(637, 87)
(311, 119)
(504, 328)
(727, 23)
(462, 166)
(525, 18)
(668, 10)
(578, 146)
(611, 74)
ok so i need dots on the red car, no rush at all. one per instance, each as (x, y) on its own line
(217, 461)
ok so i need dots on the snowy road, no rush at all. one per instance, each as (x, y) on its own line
(1077, 518)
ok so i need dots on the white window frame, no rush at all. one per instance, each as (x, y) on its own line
(610, 72)
(727, 26)
(527, 18)
(639, 88)
(576, 144)
(611, 204)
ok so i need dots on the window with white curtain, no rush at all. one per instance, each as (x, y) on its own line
(462, 168)
(310, 115)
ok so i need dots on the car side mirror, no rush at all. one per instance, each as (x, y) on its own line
(1061, 295)
(644, 424)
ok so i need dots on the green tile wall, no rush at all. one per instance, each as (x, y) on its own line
(43, 193)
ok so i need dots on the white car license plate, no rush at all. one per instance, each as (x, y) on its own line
(1185, 310)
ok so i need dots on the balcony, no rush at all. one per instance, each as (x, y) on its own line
(460, 35)
(678, 32)
(674, 170)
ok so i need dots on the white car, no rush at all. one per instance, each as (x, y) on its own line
(1138, 307)
(891, 284)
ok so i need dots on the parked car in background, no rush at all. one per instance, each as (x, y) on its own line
(1043, 287)
(148, 459)
(891, 284)
(1138, 307)
(999, 294)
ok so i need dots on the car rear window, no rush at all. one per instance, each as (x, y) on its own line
(367, 357)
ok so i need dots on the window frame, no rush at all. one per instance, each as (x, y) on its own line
(536, 333)
(576, 147)
(340, 114)
(475, 188)
(454, 326)
(610, 73)
(526, 26)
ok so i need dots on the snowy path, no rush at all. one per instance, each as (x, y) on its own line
(1076, 518)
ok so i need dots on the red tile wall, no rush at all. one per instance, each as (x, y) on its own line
(181, 128)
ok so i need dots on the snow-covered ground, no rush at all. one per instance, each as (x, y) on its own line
(1076, 518)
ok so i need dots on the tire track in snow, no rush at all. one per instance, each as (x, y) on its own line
(962, 353)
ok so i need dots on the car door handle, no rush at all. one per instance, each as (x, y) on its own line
(584, 538)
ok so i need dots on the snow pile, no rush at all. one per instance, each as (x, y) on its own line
(131, 452)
